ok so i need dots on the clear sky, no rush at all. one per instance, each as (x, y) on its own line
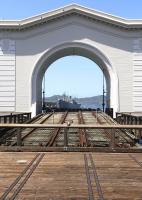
(62, 75)
(18, 9)
(74, 75)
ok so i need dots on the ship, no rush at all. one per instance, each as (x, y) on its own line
(68, 103)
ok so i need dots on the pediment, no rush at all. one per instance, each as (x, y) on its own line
(72, 9)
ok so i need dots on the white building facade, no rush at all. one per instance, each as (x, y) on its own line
(28, 47)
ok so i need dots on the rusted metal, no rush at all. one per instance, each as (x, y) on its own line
(31, 170)
(55, 133)
(10, 188)
(89, 184)
(126, 135)
(123, 133)
(86, 126)
(15, 117)
(99, 189)
(34, 119)
(68, 136)
(27, 134)
(63, 176)
(106, 133)
(82, 132)
(19, 139)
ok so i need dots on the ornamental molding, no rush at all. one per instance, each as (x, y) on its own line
(73, 9)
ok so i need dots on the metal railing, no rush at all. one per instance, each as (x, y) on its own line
(15, 118)
(111, 129)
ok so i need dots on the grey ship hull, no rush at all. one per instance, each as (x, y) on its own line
(68, 105)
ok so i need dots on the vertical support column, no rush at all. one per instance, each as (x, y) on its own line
(19, 140)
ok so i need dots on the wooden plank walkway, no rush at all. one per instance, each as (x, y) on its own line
(71, 176)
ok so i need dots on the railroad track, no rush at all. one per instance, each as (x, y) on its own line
(82, 132)
(92, 179)
(73, 136)
(28, 132)
(97, 137)
(54, 135)
(14, 189)
(9, 134)
(61, 137)
(123, 135)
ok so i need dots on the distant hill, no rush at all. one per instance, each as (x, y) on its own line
(86, 102)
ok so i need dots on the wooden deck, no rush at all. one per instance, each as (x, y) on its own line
(71, 176)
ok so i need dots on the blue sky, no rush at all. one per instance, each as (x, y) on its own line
(67, 70)
(77, 76)
(18, 9)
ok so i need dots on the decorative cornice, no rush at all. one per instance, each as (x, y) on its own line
(70, 10)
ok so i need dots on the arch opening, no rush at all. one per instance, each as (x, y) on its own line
(74, 79)
(78, 49)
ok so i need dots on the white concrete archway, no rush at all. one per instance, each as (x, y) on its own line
(74, 48)
(29, 46)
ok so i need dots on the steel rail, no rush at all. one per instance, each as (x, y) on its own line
(90, 189)
(13, 131)
(109, 135)
(42, 121)
(119, 131)
(55, 133)
(106, 134)
(82, 132)
(31, 131)
(9, 189)
(36, 118)
(99, 190)
(18, 189)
